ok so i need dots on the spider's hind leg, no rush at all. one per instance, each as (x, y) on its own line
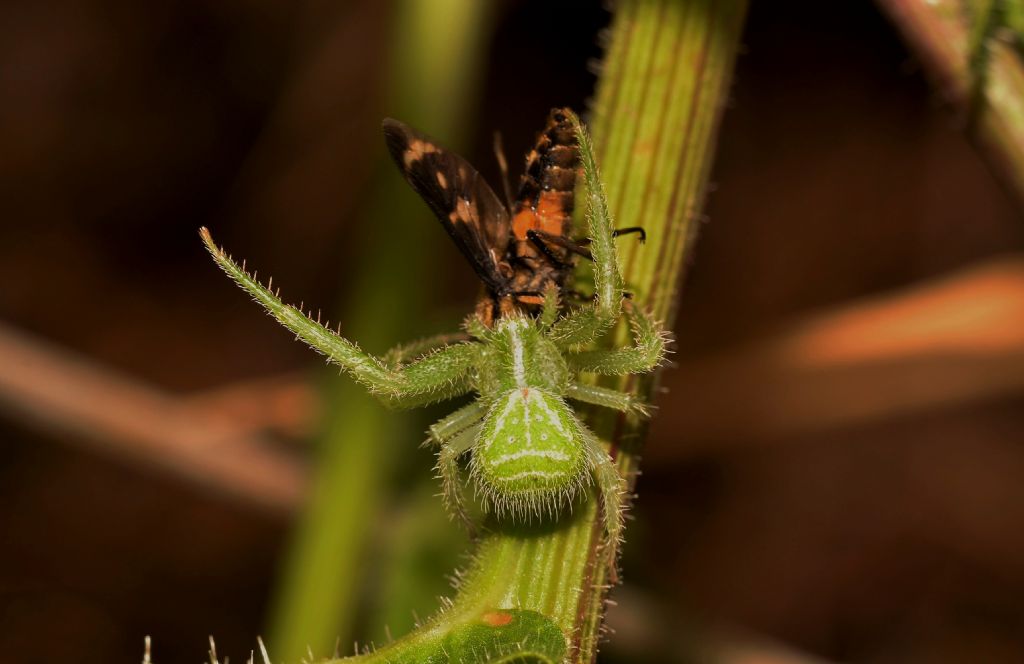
(613, 488)
(456, 434)
(448, 472)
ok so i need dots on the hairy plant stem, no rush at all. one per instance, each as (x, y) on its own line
(537, 593)
(660, 99)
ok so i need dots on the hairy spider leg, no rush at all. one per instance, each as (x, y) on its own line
(585, 325)
(455, 423)
(448, 472)
(612, 487)
(405, 352)
(646, 353)
(580, 327)
(607, 398)
(443, 374)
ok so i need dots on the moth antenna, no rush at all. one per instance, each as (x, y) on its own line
(499, 153)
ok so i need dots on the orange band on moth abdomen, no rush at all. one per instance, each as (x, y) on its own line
(525, 220)
(551, 213)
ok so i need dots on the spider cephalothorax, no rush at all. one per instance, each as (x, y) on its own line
(529, 452)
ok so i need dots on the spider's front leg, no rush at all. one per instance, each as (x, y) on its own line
(402, 354)
(646, 353)
(587, 324)
(444, 374)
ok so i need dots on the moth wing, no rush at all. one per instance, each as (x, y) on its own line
(458, 196)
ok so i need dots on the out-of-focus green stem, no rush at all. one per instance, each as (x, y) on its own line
(435, 69)
(537, 594)
(975, 69)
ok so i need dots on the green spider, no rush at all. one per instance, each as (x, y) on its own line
(530, 454)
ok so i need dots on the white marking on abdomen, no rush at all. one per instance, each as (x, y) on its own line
(510, 403)
(554, 418)
(543, 454)
(528, 473)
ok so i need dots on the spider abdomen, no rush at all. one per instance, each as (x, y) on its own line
(529, 457)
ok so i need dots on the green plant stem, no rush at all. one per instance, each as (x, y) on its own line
(659, 102)
(980, 74)
(655, 122)
(435, 69)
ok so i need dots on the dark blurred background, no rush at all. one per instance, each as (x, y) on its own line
(837, 463)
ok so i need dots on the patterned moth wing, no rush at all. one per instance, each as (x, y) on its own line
(519, 254)
(459, 197)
